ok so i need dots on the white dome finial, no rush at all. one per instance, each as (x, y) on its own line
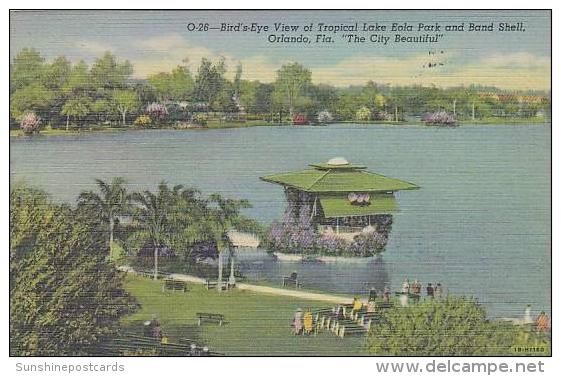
(337, 161)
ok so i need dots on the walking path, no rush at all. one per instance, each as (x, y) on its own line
(263, 289)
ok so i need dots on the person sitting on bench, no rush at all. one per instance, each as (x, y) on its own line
(297, 322)
(357, 305)
(157, 332)
(371, 306)
(308, 322)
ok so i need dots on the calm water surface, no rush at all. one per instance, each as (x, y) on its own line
(480, 224)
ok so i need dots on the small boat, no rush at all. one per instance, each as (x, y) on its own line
(287, 257)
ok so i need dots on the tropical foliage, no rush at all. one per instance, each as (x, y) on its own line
(65, 298)
(112, 202)
(454, 326)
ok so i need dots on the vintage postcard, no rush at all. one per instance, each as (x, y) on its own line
(280, 183)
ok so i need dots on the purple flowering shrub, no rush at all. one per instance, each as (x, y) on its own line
(30, 123)
(331, 245)
(439, 118)
(296, 233)
(367, 244)
(157, 111)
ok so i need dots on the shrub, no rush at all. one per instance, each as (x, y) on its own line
(143, 121)
(200, 119)
(325, 117)
(297, 234)
(363, 114)
(455, 326)
(157, 111)
(383, 115)
(439, 118)
(30, 123)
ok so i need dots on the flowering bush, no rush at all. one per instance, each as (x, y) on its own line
(199, 119)
(143, 121)
(331, 245)
(368, 243)
(325, 117)
(363, 114)
(440, 118)
(383, 115)
(30, 123)
(157, 111)
(296, 233)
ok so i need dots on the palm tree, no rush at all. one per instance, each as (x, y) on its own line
(111, 202)
(160, 217)
(222, 215)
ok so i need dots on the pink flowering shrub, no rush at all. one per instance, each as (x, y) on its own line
(439, 118)
(30, 123)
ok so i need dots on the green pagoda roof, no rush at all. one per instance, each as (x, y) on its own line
(338, 175)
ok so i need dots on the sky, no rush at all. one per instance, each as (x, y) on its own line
(156, 41)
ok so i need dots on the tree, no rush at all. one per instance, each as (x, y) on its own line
(57, 74)
(177, 85)
(65, 298)
(210, 80)
(452, 327)
(292, 81)
(111, 202)
(363, 114)
(222, 215)
(125, 101)
(101, 108)
(107, 73)
(154, 218)
(79, 80)
(26, 68)
(31, 98)
(79, 107)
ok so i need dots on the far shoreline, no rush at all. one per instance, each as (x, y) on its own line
(18, 133)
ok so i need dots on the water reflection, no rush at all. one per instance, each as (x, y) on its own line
(355, 277)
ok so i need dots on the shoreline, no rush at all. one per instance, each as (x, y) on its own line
(295, 293)
(17, 133)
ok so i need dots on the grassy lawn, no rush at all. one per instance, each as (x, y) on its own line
(256, 324)
(506, 120)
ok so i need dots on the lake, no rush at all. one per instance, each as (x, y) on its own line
(480, 224)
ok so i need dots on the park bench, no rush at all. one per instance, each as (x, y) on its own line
(210, 317)
(172, 284)
(150, 274)
(383, 305)
(291, 280)
(214, 284)
(347, 330)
